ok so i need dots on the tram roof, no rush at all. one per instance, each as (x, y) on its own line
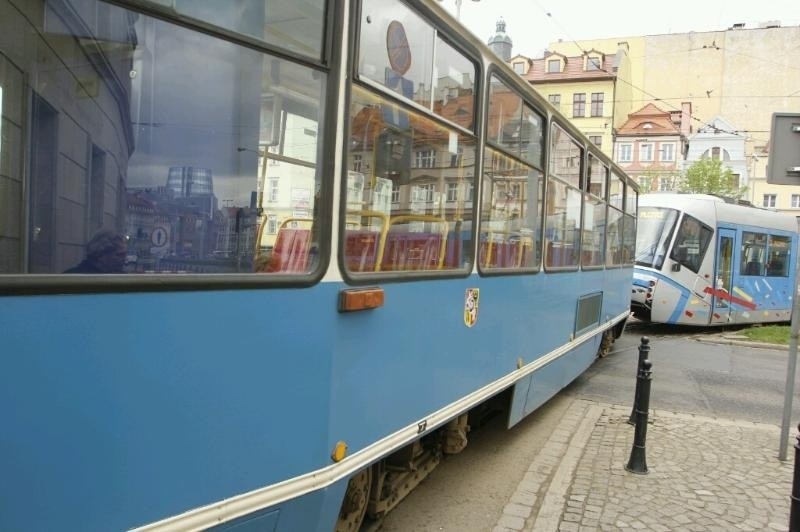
(721, 209)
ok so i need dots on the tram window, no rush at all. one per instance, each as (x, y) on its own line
(505, 125)
(614, 228)
(455, 87)
(628, 239)
(532, 137)
(510, 233)
(631, 200)
(629, 225)
(753, 253)
(654, 232)
(691, 243)
(566, 157)
(404, 212)
(156, 165)
(562, 225)
(616, 192)
(778, 263)
(400, 51)
(295, 26)
(594, 232)
(598, 175)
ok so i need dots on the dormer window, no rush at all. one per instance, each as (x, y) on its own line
(519, 67)
(594, 62)
(553, 65)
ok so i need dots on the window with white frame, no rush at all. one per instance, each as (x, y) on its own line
(424, 192)
(272, 224)
(624, 152)
(769, 200)
(457, 158)
(795, 201)
(554, 99)
(666, 184)
(272, 194)
(470, 191)
(579, 104)
(357, 162)
(716, 153)
(597, 140)
(519, 67)
(426, 158)
(597, 104)
(593, 63)
(667, 152)
(645, 152)
(554, 65)
(452, 191)
(395, 193)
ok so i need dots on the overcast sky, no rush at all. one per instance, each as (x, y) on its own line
(533, 24)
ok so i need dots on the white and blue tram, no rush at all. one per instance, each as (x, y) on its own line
(702, 260)
(261, 260)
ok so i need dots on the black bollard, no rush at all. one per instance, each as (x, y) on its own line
(638, 461)
(794, 511)
(644, 351)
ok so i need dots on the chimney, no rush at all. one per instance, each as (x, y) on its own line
(686, 118)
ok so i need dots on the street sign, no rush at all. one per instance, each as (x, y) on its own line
(783, 166)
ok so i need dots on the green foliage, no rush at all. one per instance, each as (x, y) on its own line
(773, 334)
(708, 176)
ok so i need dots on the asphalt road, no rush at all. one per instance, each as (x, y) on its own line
(467, 491)
(693, 374)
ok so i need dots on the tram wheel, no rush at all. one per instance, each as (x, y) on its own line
(354, 505)
(605, 344)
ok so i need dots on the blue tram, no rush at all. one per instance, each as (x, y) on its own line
(260, 262)
(702, 260)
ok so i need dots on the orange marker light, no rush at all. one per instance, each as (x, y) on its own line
(360, 299)
(339, 451)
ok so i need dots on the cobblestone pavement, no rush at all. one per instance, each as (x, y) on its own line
(703, 474)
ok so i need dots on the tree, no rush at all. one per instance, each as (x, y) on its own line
(708, 176)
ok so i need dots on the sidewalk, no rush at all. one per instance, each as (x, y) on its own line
(704, 474)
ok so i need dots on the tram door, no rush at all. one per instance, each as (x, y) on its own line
(723, 276)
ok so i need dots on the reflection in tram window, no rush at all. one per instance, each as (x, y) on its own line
(410, 207)
(511, 214)
(163, 137)
(753, 253)
(779, 256)
(691, 243)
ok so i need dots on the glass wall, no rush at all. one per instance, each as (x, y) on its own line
(149, 146)
(411, 157)
(513, 183)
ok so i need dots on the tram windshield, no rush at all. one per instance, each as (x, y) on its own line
(656, 225)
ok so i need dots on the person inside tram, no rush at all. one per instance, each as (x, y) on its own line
(105, 253)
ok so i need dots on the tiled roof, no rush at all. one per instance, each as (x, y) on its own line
(573, 70)
(648, 121)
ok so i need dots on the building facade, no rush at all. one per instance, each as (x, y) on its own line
(740, 74)
(592, 88)
(651, 145)
(719, 140)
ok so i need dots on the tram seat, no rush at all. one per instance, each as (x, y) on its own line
(360, 250)
(560, 254)
(412, 251)
(511, 252)
(292, 246)
(754, 268)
